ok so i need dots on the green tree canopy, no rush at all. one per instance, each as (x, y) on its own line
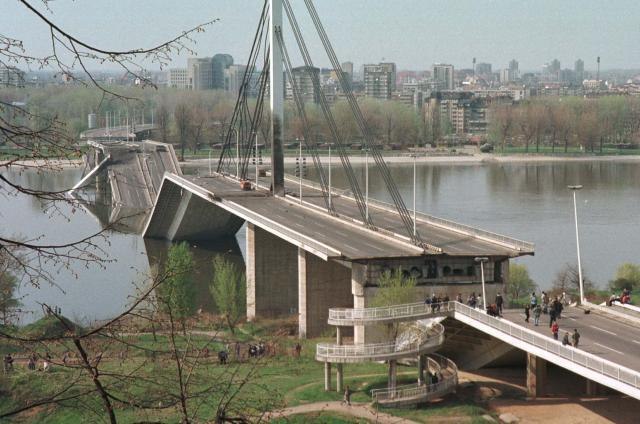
(228, 290)
(176, 292)
(627, 276)
(519, 282)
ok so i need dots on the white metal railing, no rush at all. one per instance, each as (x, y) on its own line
(350, 316)
(440, 222)
(422, 392)
(431, 337)
(590, 361)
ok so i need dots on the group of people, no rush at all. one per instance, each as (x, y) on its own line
(624, 298)
(32, 362)
(436, 301)
(553, 308)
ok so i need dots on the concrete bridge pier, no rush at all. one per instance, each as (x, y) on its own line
(536, 376)
(393, 374)
(321, 285)
(272, 275)
(339, 370)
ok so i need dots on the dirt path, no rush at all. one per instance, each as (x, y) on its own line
(358, 410)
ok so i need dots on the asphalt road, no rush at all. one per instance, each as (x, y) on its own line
(600, 335)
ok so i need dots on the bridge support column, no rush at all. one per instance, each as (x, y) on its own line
(272, 265)
(327, 376)
(421, 366)
(536, 376)
(393, 373)
(358, 281)
(593, 388)
(321, 285)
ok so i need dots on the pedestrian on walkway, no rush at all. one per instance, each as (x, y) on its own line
(545, 303)
(575, 338)
(552, 316)
(565, 339)
(499, 302)
(347, 397)
(537, 310)
(526, 313)
(559, 309)
(534, 299)
(554, 329)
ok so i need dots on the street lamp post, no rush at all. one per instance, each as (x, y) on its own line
(482, 260)
(237, 153)
(575, 188)
(366, 184)
(300, 169)
(414, 195)
(330, 204)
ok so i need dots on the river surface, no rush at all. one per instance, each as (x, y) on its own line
(528, 201)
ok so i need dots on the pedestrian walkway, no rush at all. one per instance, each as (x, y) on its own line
(358, 410)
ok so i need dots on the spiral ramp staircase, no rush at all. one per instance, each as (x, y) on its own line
(419, 340)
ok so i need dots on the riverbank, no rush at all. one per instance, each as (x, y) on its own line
(481, 158)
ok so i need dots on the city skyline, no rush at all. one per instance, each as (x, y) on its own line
(491, 31)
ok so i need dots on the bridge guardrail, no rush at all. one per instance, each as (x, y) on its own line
(432, 337)
(425, 391)
(602, 366)
(441, 222)
(350, 316)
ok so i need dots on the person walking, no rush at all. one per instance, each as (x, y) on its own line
(536, 314)
(575, 338)
(545, 303)
(534, 299)
(559, 308)
(565, 339)
(526, 313)
(499, 302)
(554, 329)
(552, 316)
(347, 397)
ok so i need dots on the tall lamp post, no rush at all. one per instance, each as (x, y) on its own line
(414, 194)
(575, 188)
(482, 260)
(366, 184)
(330, 204)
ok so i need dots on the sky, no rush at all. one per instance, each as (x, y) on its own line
(413, 33)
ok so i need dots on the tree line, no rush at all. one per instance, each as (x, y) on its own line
(566, 123)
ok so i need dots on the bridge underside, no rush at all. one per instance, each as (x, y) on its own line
(180, 215)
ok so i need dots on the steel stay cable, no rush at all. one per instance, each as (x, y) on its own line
(344, 158)
(305, 123)
(383, 169)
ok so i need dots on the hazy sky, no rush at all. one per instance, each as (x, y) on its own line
(412, 33)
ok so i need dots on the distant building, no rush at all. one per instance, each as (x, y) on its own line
(378, 81)
(579, 70)
(443, 76)
(307, 80)
(391, 68)
(483, 69)
(234, 77)
(208, 73)
(11, 77)
(219, 64)
(348, 68)
(178, 78)
(514, 71)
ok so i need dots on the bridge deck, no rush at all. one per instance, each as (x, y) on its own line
(346, 234)
(600, 335)
(307, 226)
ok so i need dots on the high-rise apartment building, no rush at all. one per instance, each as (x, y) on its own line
(307, 80)
(514, 71)
(378, 81)
(391, 68)
(348, 68)
(443, 76)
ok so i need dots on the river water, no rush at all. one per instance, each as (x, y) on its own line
(529, 201)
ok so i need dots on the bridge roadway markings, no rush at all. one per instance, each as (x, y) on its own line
(618, 350)
(602, 329)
